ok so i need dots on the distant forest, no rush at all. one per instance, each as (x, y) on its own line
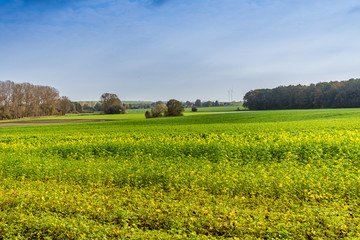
(343, 94)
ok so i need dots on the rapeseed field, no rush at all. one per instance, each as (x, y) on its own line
(245, 175)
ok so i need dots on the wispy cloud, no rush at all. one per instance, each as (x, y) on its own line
(158, 2)
(153, 3)
(46, 1)
(36, 3)
(355, 9)
(211, 45)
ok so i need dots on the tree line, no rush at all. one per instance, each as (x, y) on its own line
(18, 100)
(107, 99)
(336, 94)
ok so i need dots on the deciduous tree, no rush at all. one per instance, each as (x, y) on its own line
(65, 105)
(159, 110)
(198, 103)
(111, 103)
(175, 108)
(19, 100)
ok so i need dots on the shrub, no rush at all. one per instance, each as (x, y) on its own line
(159, 110)
(147, 114)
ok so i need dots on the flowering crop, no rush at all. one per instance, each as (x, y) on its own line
(247, 175)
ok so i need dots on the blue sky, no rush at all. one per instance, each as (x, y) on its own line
(183, 49)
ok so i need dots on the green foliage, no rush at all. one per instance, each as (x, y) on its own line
(77, 107)
(207, 104)
(244, 175)
(198, 103)
(111, 103)
(159, 110)
(98, 107)
(174, 108)
(147, 114)
(344, 94)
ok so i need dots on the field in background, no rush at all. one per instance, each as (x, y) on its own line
(200, 109)
(217, 109)
(268, 175)
(235, 106)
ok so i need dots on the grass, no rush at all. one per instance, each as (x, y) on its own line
(249, 175)
(217, 109)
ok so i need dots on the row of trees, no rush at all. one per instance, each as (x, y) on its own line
(87, 107)
(18, 100)
(343, 94)
(111, 104)
(198, 103)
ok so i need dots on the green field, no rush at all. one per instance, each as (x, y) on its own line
(217, 109)
(248, 175)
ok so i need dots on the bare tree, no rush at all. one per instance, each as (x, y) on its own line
(65, 105)
(49, 98)
(19, 100)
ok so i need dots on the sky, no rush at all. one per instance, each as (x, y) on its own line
(184, 49)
